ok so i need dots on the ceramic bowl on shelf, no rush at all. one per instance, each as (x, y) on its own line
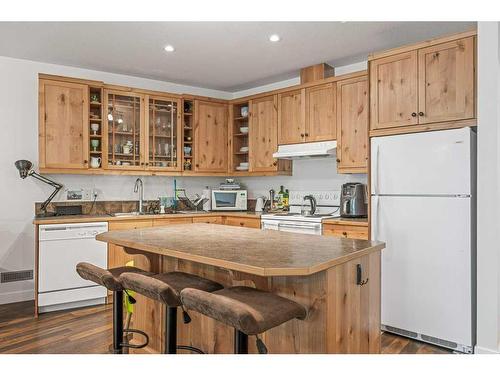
(240, 168)
(244, 149)
(244, 129)
(244, 164)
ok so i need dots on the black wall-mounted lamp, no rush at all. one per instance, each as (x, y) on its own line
(24, 167)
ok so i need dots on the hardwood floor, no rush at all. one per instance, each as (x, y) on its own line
(89, 330)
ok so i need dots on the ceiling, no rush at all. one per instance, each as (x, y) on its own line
(227, 56)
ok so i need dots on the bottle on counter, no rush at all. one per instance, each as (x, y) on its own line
(280, 198)
(286, 200)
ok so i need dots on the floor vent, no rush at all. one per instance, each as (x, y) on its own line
(441, 342)
(9, 277)
(402, 332)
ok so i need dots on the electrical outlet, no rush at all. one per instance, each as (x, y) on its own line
(87, 194)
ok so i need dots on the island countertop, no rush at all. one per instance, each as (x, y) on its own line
(254, 251)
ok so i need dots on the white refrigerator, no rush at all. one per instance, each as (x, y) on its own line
(423, 207)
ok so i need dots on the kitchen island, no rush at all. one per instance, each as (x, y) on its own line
(336, 279)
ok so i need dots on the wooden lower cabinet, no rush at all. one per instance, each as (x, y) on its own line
(208, 219)
(343, 317)
(242, 222)
(170, 221)
(116, 255)
(359, 231)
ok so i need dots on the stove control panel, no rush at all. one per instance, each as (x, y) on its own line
(323, 198)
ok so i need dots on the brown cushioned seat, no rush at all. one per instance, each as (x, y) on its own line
(166, 287)
(249, 310)
(107, 278)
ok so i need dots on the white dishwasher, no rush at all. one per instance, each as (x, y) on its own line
(61, 248)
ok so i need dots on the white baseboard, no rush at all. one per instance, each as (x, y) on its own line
(481, 350)
(17, 296)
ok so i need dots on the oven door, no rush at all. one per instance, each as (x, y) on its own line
(292, 226)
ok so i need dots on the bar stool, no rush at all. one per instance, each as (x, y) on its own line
(249, 311)
(109, 278)
(166, 288)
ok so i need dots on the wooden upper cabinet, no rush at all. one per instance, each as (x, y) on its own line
(263, 141)
(291, 117)
(124, 130)
(63, 125)
(352, 122)
(393, 91)
(321, 122)
(211, 137)
(446, 81)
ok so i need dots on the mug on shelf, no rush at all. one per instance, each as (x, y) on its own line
(126, 149)
(95, 162)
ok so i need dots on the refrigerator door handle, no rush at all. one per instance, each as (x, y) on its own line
(375, 218)
(375, 175)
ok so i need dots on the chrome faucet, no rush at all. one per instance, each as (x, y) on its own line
(139, 187)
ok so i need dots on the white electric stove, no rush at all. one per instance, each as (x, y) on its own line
(328, 207)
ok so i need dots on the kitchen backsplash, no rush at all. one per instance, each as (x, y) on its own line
(317, 174)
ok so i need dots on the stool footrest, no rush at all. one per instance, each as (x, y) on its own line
(190, 348)
(135, 346)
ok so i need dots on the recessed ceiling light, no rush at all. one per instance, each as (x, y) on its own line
(169, 48)
(274, 38)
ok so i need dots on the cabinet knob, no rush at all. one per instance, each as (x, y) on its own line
(307, 134)
(344, 234)
(338, 160)
(85, 161)
(420, 113)
(275, 163)
(302, 135)
(414, 114)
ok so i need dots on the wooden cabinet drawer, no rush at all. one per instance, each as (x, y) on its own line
(243, 222)
(208, 219)
(346, 231)
(170, 221)
(129, 224)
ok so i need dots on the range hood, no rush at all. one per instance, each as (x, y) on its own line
(307, 150)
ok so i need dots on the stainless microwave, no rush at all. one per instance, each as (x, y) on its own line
(229, 200)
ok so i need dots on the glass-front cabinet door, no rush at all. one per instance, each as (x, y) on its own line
(125, 130)
(163, 134)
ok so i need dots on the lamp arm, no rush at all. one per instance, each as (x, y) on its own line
(48, 181)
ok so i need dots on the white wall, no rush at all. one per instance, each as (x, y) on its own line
(19, 119)
(488, 219)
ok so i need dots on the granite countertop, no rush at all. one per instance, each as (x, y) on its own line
(95, 218)
(254, 251)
